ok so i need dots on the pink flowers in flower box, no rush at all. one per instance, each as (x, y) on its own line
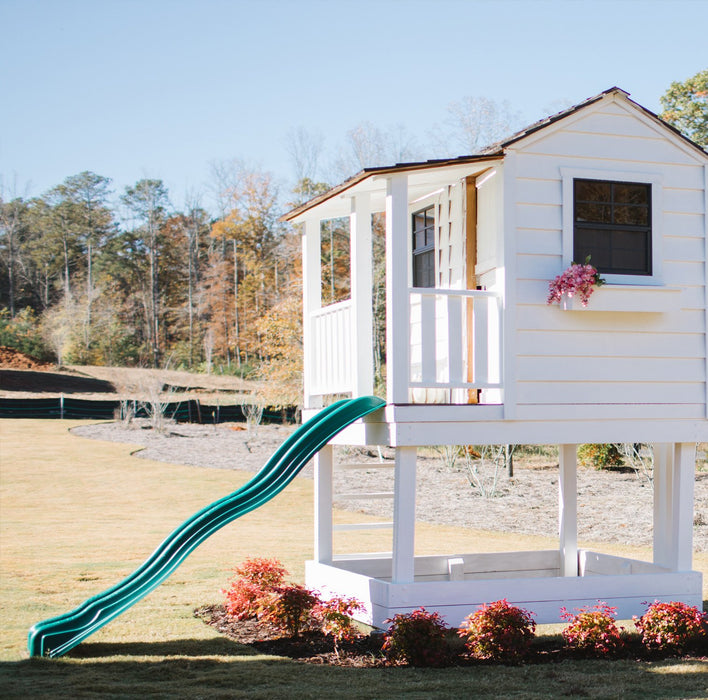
(577, 279)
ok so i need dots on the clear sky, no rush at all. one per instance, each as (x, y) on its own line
(162, 88)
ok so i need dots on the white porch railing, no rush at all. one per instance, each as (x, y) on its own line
(455, 339)
(454, 343)
(331, 355)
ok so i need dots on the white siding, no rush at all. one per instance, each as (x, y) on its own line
(579, 359)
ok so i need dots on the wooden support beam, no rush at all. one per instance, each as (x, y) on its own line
(361, 288)
(568, 510)
(397, 302)
(674, 473)
(311, 301)
(324, 460)
(404, 515)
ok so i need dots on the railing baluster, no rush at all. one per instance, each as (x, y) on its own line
(428, 338)
(481, 341)
(454, 335)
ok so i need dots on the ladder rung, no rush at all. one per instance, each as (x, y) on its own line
(363, 496)
(362, 526)
(366, 465)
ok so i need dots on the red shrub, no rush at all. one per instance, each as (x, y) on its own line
(417, 638)
(672, 626)
(335, 616)
(592, 630)
(498, 631)
(254, 578)
(288, 607)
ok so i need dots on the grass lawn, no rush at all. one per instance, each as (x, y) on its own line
(76, 516)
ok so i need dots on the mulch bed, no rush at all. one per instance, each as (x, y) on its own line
(313, 647)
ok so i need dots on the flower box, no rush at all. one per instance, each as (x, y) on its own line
(627, 298)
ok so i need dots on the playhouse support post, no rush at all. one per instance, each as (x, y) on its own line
(404, 515)
(311, 301)
(674, 467)
(361, 286)
(397, 302)
(568, 510)
(323, 504)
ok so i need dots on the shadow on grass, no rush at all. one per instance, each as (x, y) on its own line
(178, 647)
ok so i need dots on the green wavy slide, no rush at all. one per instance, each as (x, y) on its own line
(57, 635)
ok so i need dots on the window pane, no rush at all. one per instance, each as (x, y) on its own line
(593, 191)
(424, 269)
(630, 253)
(627, 193)
(595, 243)
(635, 216)
(599, 213)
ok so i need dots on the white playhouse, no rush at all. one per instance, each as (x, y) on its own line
(475, 355)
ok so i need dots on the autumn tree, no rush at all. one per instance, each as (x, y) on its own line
(148, 201)
(12, 236)
(686, 107)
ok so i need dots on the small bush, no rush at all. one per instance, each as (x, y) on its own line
(601, 456)
(254, 579)
(416, 638)
(672, 626)
(335, 618)
(289, 608)
(498, 631)
(592, 630)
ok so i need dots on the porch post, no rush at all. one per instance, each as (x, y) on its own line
(311, 301)
(323, 505)
(404, 515)
(568, 510)
(674, 473)
(361, 285)
(397, 300)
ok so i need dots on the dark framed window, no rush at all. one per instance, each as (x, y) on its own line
(612, 224)
(424, 248)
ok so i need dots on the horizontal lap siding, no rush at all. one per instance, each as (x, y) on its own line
(595, 358)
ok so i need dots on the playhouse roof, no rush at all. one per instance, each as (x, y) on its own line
(473, 162)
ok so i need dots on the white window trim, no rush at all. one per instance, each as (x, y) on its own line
(568, 175)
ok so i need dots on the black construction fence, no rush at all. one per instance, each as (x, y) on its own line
(189, 411)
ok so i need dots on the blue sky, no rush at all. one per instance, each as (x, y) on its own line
(163, 88)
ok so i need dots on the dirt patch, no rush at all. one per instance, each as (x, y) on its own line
(10, 358)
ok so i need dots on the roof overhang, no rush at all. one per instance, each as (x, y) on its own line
(423, 178)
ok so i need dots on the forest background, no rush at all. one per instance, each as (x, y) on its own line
(93, 276)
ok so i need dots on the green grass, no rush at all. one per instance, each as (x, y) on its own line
(76, 516)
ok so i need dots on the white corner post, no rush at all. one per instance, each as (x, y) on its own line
(568, 510)
(360, 239)
(323, 505)
(397, 299)
(404, 515)
(674, 473)
(311, 301)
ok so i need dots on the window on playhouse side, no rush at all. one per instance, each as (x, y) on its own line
(615, 218)
(424, 248)
(612, 226)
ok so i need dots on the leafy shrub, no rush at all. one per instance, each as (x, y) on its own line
(601, 456)
(672, 626)
(592, 630)
(416, 638)
(498, 631)
(24, 333)
(254, 579)
(336, 618)
(288, 607)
